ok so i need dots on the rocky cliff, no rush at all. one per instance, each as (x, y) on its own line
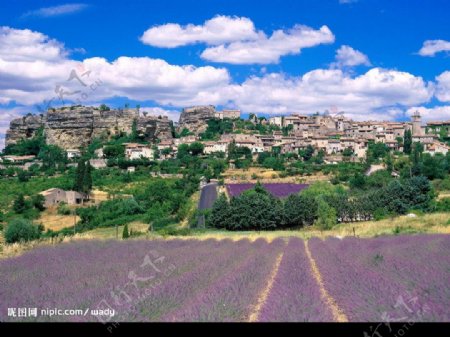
(195, 118)
(76, 127)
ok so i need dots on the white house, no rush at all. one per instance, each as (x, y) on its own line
(211, 147)
(138, 151)
(73, 153)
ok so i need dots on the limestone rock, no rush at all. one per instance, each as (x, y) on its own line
(76, 127)
(195, 118)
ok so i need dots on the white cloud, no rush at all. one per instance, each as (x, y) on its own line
(374, 92)
(220, 29)
(347, 1)
(32, 66)
(26, 45)
(265, 49)
(346, 56)
(235, 40)
(56, 10)
(443, 87)
(432, 47)
(431, 114)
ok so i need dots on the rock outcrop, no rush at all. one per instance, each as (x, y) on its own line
(24, 127)
(195, 118)
(76, 127)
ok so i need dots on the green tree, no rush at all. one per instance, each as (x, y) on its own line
(104, 107)
(79, 176)
(376, 151)
(407, 142)
(254, 210)
(114, 151)
(125, 233)
(416, 159)
(38, 202)
(299, 210)
(87, 178)
(326, 215)
(307, 153)
(196, 148)
(220, 213)
(23, 176)
(20, 205)
(347, 153)
(21, 230)
(134, 132)
(53, 157)
(358, 181)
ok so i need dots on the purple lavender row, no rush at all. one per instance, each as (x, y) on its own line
(234, 296)
(295, 295)
(279, 190)
(387, 278)
(177, 290)
(79, 275)
(427, 284)
(361, 292)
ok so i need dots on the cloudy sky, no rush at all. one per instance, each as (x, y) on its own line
(373, 59)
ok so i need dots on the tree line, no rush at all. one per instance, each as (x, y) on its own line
(322, 204)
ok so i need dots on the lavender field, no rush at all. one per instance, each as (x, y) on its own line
(279, 190)
(402, 278)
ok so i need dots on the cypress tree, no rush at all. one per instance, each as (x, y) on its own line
(87, 178)
(125, 234)
(407, 142)
(79, 176)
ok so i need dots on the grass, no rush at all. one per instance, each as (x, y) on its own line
(427, 223)
(252, 174)
(54, 221)
(110, 232)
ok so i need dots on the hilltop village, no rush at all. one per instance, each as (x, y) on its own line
(335, 137)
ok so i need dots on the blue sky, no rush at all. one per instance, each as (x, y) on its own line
(374, 59)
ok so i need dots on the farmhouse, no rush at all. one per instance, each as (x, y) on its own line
(54, 196)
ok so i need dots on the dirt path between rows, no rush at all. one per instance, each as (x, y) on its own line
(338, 314)
(254, 315)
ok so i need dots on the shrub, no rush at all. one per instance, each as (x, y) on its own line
(174, 231)
(163, 222)
(21, 230)
(20, 204)
(38, 201)
(443, 205)
(63, 209)
(326, 215)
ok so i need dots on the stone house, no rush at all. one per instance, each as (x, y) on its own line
(138, 151)
(55, 196)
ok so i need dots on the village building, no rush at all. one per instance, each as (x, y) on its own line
(98, 163)
(135, 151)
(55, 196)
(185, 140)
(231, 114)
(73, 153)
(18, 159)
